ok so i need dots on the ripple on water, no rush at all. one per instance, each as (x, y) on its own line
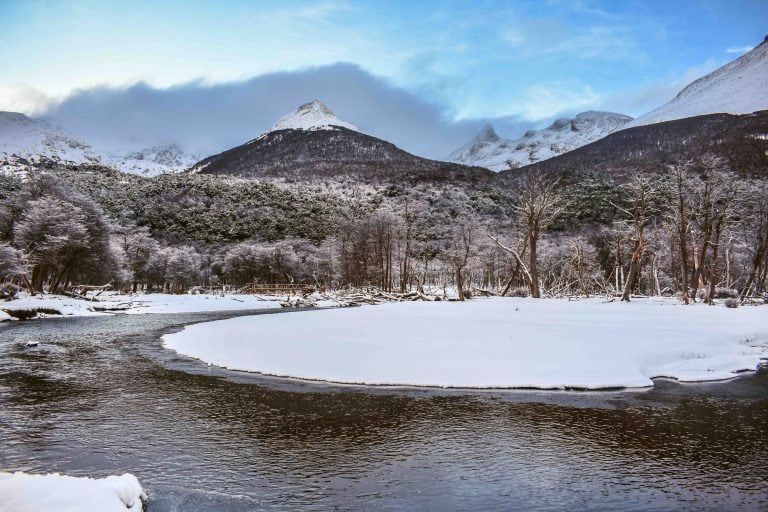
(101, 396)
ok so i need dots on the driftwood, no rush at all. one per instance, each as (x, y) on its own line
(351, 298)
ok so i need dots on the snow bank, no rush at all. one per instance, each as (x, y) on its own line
(21, 492)
(492, 343)
(111, 303)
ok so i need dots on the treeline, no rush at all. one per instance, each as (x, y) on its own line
(696, 230)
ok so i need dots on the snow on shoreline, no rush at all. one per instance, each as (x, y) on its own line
(136, 304)
(490, 343)
(22, 492)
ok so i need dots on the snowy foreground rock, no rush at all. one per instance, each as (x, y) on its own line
(490, 343)
(21, 492)
(113, 303)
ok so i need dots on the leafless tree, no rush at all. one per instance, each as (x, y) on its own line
(638, 211)
(538, 203)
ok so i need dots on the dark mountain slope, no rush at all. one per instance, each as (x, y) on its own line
(305, 154)
(741, 140)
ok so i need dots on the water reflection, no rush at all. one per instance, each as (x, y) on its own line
(100, 396)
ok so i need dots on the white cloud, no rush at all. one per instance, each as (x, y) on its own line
(545, 101)
(22, 98)
(655, 93)
(739, 49)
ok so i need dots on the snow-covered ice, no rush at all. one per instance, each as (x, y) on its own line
(490, 343)
(22, 492)
(140, 303)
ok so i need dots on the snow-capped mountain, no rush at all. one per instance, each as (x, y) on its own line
(154, 160)
(311, 116)
(489, 150)
(313, 142)
(27, 142)
(739, 87)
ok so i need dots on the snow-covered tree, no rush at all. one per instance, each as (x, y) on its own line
(13, 262)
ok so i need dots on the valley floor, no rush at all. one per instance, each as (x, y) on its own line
(491, 343)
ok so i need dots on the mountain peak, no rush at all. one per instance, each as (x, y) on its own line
(491, 151)
(487, 134)
(311, 116)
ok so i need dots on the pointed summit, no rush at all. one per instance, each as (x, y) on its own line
(487, 134)
(311, 116)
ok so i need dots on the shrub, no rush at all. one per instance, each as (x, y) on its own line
(8, 291)
(519, 291)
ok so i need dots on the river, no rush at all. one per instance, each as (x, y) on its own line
(100, 395)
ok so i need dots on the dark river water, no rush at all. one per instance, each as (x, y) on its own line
(101, 396)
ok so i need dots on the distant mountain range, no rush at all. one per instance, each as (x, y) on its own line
(489, 150)
(27, 143)
(312, 141)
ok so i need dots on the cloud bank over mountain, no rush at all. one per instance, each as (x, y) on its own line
(207, 118)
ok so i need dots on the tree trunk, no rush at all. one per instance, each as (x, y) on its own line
(460, 282)
(535, 292)
(713, 265)
(634, 268)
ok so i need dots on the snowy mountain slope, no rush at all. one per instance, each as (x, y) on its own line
(154, 161)
(312, 142)
(27, 142)
(739, 87)
(311, 116)
(488, 150)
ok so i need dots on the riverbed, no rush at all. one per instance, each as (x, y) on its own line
(100, 395)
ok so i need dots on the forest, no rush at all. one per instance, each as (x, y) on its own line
(695, 229)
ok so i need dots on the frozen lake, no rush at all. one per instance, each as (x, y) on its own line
(100, 395)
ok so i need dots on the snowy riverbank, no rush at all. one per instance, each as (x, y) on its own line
(491, 343)
(22, 492)
(118, 303)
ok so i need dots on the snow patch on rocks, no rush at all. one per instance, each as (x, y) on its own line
(140, 303)
(22, 492)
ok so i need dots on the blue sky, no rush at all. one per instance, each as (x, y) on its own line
(474, 60)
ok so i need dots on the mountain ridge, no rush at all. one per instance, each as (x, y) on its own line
(489, 150)
(738, 87)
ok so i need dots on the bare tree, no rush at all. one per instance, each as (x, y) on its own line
(638, 211)
(460, 250)
(538, 204)
(758, 232)
(681, 219)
